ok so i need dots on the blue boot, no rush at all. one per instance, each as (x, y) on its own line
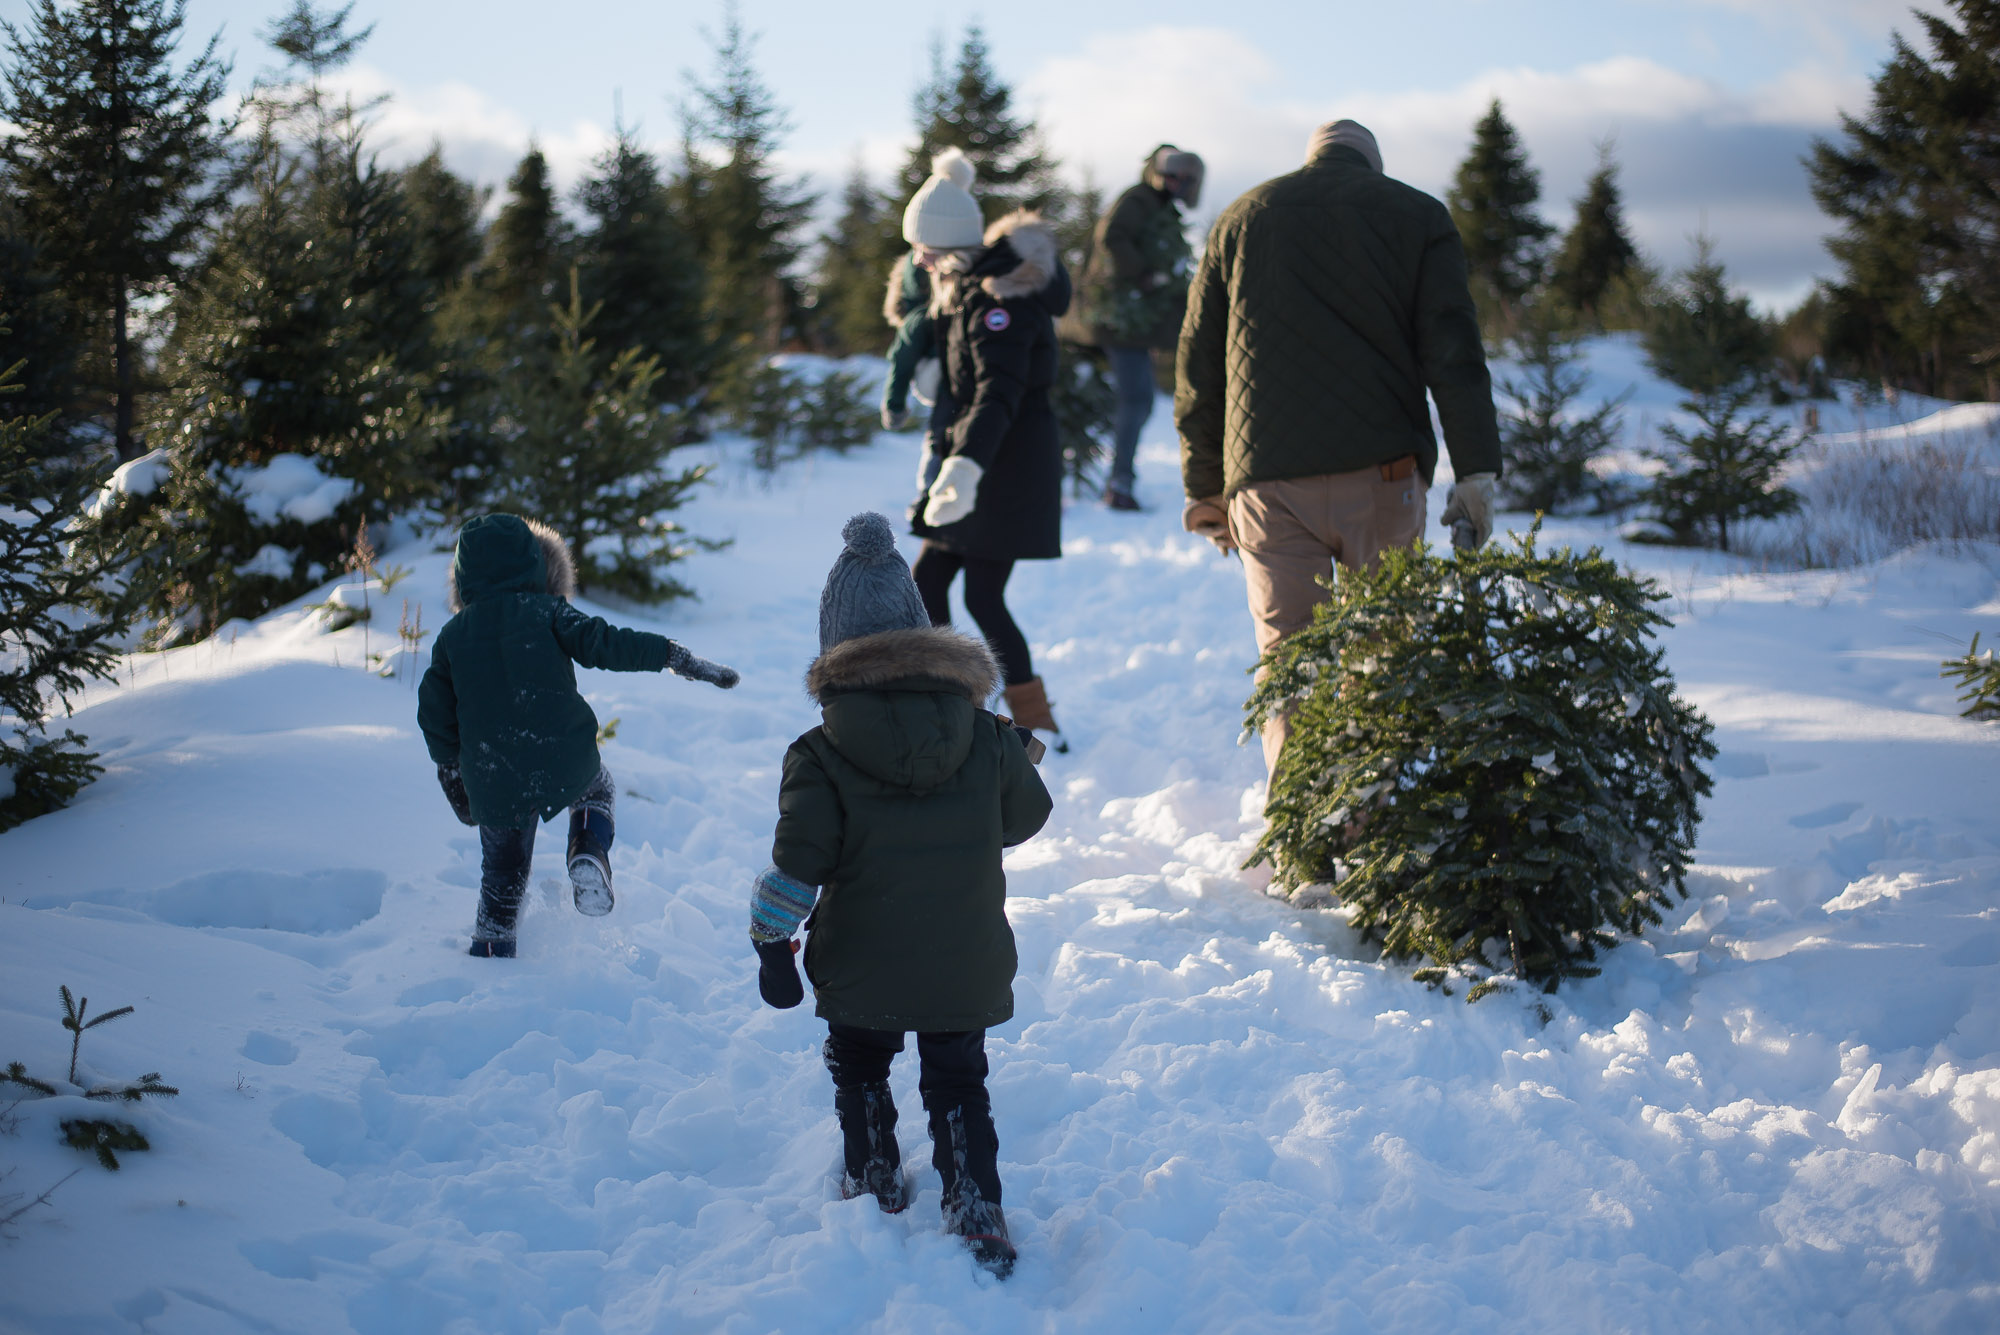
(590, 861)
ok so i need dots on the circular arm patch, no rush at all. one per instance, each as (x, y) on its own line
(997, 319)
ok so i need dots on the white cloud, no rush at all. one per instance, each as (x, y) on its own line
(1691, 151)
(482, 139)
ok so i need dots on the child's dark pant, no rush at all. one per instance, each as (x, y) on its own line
(953, 1084)
(506, 854)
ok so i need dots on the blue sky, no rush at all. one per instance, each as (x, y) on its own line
(1710, 102)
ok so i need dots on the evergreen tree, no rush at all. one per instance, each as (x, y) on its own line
(1547, 442)
(116, 162)
(1597, 251)
(854, 262)
(587, 449)
(1492, 199)
(640, 272)
(42, 334)
(444, 211)
(966, 106)
(1917, 200)
(1486, 750)
(61, 609)
(304, 359)
(1708, 341)
(744, 220)
(1704, 337)
(527, 253)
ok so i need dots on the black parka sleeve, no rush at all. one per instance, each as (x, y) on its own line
(437, 709)
(1024, 799)
(596, 643)
(807, 844)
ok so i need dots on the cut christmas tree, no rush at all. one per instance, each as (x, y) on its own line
(1487, 761)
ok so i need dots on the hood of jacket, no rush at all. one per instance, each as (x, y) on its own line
(501, 554)
(900, 704)
(1020, 259)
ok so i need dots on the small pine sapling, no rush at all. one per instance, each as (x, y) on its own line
(103, 1137)
(1978, 676)
(73, 1020)
(1548, 443)
(1726, 470)
(1085, 403)
(1487, 761)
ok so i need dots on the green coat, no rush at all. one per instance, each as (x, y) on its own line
(898, 806)
(1325, 304)
(1135, 288)
(905, 306)
(500, 698)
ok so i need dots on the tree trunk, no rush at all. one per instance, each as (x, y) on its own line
(121, 361)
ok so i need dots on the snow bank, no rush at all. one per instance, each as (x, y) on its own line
(290, 486)
(135, 477)
(1780, 1112)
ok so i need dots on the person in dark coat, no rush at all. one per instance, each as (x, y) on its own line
(1327, 302)
(892, 817)
(997, 498)
(513, 741)
(1135, 292)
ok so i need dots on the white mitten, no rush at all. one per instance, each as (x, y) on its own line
(954, 492)
(1470, 502)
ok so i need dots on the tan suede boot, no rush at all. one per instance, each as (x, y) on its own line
(1028, 702)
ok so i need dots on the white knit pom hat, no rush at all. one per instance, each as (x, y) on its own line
(943, 215)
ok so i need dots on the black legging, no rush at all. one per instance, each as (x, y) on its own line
(985, 599)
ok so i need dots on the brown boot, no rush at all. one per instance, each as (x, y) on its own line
(1028, 702)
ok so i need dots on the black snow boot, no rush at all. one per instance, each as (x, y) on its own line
(966, 1152)
(874, 1162)
(590, 861)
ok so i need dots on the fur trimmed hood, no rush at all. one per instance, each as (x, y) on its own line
(1020, 259)
(929, 653)
(509, 554)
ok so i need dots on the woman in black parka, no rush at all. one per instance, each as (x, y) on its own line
(998, 497)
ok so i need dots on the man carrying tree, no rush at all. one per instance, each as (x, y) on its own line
(1326, 302)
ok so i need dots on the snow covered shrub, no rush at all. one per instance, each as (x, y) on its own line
(61, 613)
(1487, 760)
(1863, 500)
(1548, 442)
(1978, 676)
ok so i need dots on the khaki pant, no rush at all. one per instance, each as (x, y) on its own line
(1293, 531)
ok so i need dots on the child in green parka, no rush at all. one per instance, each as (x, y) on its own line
(892, 818)
(513, 740)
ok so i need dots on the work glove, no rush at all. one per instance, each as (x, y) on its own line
(1468, 510)
(954, 492)
(778, 980)
(684, 664)
(453, 784)
(1209, 519)
(895, 419)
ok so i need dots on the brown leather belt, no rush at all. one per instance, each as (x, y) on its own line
(1398, 469)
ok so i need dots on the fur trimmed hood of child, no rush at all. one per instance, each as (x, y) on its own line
(509, 554)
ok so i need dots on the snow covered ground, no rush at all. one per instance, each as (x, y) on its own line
(1217, 1112)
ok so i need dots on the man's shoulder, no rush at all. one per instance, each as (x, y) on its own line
(1330, 188)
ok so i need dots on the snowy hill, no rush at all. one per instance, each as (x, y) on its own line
(1216, 1112)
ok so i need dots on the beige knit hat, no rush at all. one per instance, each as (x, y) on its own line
(1345, 134)
(943, 215)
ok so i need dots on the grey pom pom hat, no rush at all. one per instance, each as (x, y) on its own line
(869, 589)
